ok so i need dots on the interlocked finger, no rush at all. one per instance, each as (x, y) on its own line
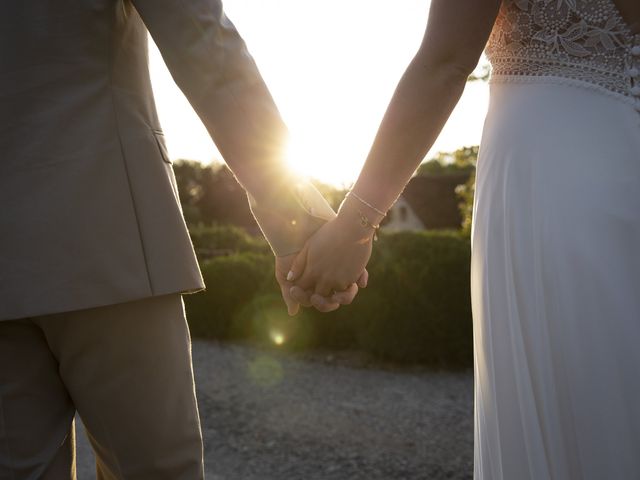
(346, 296)
(323, 304)
(301, 296)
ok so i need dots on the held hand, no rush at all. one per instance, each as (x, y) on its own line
(293, 298)
(283, 266)
(324, 304)
(333, 258)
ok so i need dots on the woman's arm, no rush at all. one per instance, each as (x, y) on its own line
(430, 88)
(456, 34)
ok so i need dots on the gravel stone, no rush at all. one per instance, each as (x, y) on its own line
(274, 416)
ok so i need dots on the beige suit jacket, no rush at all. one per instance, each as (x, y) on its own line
(89, 211)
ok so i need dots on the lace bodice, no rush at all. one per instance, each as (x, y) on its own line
(584, 40)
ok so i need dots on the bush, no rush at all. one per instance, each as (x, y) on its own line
(265, 321)
(214, 240)
(232, 282)
(416, 308)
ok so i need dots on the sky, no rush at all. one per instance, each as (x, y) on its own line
(332, 66)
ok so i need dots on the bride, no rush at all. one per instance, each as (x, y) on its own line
(556, 229)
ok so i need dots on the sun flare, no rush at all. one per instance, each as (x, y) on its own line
(331, 76)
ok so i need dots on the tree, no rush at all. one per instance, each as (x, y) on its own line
(333, 195)
(465, 193)
(462, 160)
(480, 74)
(210, 194)
(189, 174)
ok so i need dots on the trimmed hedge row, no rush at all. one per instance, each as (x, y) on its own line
(214, 240)
(416, 308)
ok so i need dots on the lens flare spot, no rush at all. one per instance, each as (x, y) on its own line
(265, 371)
(277, 337)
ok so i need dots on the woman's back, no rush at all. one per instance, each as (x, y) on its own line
(584, 41)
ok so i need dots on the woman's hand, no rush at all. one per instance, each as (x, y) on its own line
(334, 258)
(323, 304)
(294, 296)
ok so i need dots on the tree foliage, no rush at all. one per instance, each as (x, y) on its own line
(210, 194)
(462, 160)
(466, 193)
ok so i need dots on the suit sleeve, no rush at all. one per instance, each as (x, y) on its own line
(210, 63)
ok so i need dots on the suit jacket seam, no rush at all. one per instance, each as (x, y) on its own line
(222, 70)
(123, 156)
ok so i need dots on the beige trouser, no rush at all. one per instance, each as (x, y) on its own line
(127, 371)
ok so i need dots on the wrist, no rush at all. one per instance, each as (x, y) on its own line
(289, 218)
(354, 203)
(358, 221)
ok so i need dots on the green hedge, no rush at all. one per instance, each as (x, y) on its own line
(232, 282)
(416, 308)
(215, 240)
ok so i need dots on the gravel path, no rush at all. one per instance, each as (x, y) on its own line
(272, 416)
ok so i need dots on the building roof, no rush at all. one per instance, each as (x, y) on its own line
(433, 199)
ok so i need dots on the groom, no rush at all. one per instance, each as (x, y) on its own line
(94, 252)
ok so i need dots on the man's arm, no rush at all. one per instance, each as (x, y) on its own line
(210, 63)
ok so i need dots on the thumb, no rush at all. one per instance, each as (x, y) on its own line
(292, 306)
(298, 265)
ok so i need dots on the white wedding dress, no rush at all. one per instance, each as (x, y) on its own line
(556, 247)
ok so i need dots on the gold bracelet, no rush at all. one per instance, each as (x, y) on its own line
(365, 222)
(377, 210)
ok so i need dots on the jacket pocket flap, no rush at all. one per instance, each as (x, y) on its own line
(159, 136)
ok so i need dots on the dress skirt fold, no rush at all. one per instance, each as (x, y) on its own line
(556, 284)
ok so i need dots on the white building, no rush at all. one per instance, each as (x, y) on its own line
(428, 202)
(402, 217)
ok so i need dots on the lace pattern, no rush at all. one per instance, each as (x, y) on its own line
(584, 40)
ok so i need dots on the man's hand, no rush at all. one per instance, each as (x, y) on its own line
(329, 304)
(283, 265)
(334, 258)
(294, 296)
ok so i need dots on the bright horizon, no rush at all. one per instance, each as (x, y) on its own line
(332, 69)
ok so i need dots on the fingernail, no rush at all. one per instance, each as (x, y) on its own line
(289, 276)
